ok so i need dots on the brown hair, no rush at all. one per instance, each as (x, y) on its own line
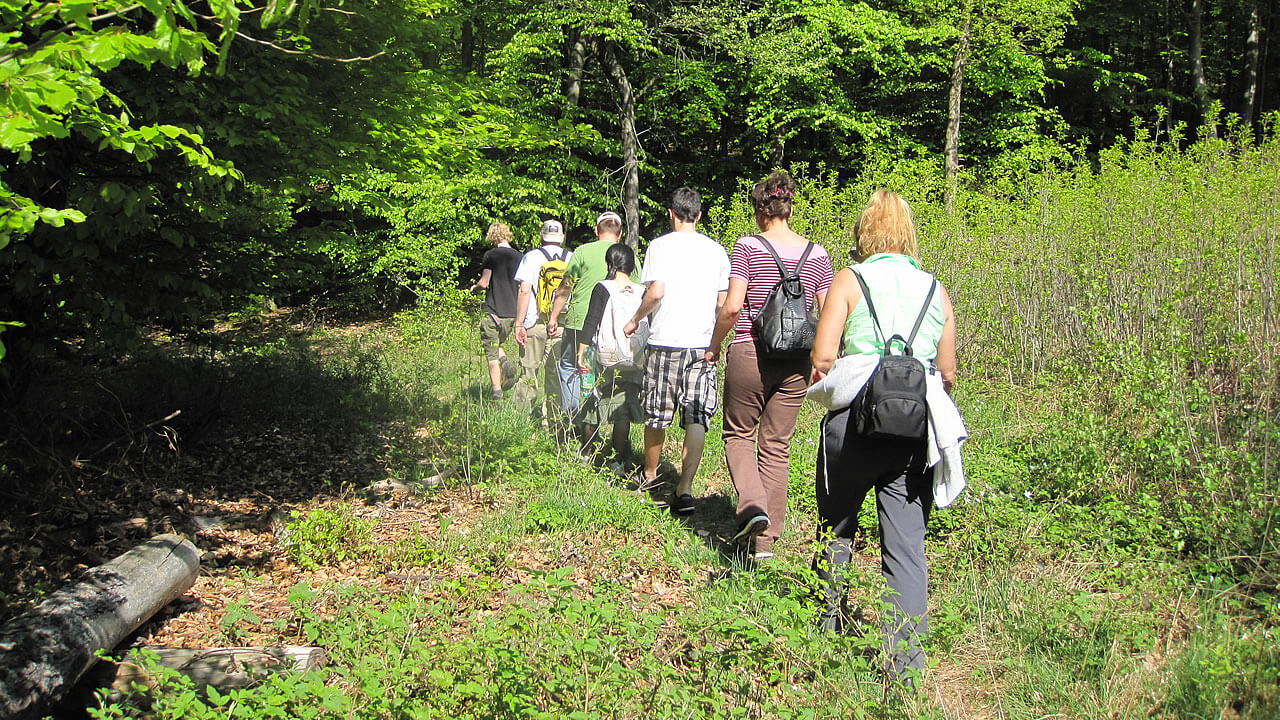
(498, 233)
(772, 197)
(887, 225)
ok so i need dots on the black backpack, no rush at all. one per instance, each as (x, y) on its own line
(894, 403)
(785, 326)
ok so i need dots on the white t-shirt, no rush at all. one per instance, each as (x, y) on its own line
(527, 274)
(693, 269)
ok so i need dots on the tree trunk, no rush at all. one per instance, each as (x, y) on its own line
(1199, 85)
(1251, 52)
(575, 60)
(44, 651)
(223, 668)
(468, 46)
(952, 158)
(778, 147)
(630, 144)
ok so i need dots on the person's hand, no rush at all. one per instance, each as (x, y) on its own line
(582, 364)
(817, 375)
(630, 328)
(713, 355)
(553, 328)
(522, 336)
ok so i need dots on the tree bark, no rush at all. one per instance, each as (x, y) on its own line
(223, 668)
(1199, 85)
(575, 61)
(630, 144)
(952, 152)
(468, 46)
(1252, 43)
(46, 650)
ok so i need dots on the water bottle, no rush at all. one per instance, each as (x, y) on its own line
(589, 376)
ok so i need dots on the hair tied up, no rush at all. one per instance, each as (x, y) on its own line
(781, 193)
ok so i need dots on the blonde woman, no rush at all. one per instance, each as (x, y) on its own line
(849, 465)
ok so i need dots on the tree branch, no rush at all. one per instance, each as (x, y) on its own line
(46, 39)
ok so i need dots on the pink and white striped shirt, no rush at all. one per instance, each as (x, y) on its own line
(752, 263)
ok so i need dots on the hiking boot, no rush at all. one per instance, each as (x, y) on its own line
(751, 527)
(510, 373)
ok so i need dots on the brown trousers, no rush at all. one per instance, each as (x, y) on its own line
(762, 399)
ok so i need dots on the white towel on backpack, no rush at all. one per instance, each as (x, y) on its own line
(947, 432)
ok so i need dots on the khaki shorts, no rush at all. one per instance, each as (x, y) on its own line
(493, 332)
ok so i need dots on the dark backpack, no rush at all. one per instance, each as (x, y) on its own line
(785, 326)
(894, 403)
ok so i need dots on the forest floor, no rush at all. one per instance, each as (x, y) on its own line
(272, 482)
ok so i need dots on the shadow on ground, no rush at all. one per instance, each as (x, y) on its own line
(97, 458)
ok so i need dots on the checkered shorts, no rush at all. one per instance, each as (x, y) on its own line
(678, 378)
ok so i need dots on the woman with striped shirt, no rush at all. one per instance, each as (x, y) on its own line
(762, 395)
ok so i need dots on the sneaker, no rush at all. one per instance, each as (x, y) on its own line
(763, 555)
(751, 527)
(497, 395)
(682, 504)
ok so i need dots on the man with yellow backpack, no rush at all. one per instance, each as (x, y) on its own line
(539, 275)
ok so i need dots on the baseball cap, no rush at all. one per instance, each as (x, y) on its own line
(608, 215)
(552, 231)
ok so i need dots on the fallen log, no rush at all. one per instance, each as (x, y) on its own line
(223, 668)
(44, 651)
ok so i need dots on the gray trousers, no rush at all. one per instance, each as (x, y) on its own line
(849, 467)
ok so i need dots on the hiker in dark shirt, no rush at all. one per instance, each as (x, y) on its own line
(498, 280)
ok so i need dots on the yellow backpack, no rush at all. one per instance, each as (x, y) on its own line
(549, 278)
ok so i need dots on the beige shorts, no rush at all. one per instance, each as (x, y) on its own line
(493, 332)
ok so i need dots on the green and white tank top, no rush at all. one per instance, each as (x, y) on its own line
(898, 287)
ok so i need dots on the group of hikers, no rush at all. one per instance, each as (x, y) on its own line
(873, 343)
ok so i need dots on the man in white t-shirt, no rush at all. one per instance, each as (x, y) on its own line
(688, 277)
(538, 352)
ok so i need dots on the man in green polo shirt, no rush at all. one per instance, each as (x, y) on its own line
(586, 268)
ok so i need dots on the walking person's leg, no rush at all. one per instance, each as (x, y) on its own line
(903, 504)
(839, 491)
(783, 384)
(743, 405)
(698, 400)
(569, 375)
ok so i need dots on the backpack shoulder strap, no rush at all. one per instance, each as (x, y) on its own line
(928, 299)
(781, 268)
(545, 254)
(804, 256)
(871, 307)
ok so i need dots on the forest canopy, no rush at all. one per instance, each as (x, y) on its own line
(165, 162)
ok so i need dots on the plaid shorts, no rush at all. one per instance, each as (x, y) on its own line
(678, 378)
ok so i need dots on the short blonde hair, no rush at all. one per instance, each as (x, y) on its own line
(886, 225)
(498, 233)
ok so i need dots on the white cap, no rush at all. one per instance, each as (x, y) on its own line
(608, 215)
(552, 232)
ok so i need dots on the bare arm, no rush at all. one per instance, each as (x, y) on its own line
(558, 301)
(652, 301)
(522, 307)
(839, 301)
(946, 360)
(483, 282)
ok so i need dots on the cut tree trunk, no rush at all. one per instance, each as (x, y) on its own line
(223, 668)
(44, 652)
